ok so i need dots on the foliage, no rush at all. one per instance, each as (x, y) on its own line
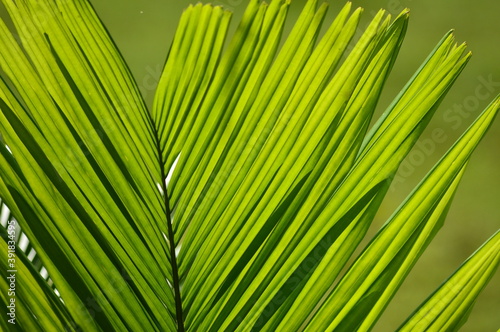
(236, 202)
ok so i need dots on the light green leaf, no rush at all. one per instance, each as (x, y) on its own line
(236, 202)
(32, 296)
(364, 292)
(74, 165)
(449, 306)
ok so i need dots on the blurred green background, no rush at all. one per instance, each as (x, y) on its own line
(143, 31)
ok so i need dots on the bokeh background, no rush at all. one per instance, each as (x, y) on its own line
(143, 31)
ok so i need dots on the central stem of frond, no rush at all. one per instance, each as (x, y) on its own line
(172, 244)
(175, 270)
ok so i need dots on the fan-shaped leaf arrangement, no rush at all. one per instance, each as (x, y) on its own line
(236, 201)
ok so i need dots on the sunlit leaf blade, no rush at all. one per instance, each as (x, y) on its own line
(36, 305)
(275, 172)
(235, 204)
(353, 126)
(448, 307)
(70, 258)
(225, 88)
(190, 67)
(240, 151)
(72, 299)
(77, 159)
(373, 168)
(364, 292)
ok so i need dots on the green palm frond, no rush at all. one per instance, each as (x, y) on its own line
(238, 200)
(448, 307)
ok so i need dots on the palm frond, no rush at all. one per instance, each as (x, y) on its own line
(360, 297)
(36, 304)
(235, 203)
(450, 305)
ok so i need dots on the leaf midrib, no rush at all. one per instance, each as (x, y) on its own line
(170, 238)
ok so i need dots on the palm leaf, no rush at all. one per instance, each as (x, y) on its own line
(449, 306)
(381, 268)
(236, 202)
(35, 298)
